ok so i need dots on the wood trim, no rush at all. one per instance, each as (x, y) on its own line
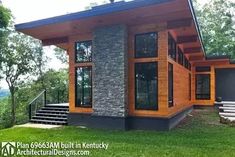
(55, 41)
(187, 39)
(179, 23)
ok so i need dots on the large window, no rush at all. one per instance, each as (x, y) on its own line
(146, 86)
(83, 51)
(83, 87)
(203, 86)
(171, 47)
(146, 45)
(170, 85)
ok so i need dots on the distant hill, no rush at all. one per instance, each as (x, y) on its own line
(4, 93)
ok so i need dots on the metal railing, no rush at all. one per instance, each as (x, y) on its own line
(37, 103)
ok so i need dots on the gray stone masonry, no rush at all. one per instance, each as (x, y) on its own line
(110, 71)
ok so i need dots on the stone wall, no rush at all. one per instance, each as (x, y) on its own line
(110, 71)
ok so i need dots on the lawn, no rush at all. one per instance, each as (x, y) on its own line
(200, 134)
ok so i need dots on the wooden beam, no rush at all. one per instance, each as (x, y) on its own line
(55, 41)
(195, 58)
(186, 39)
(192, 50)
(179, 23)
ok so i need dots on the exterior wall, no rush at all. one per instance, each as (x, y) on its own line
(180, 87)
(214, 66)
(110, 71)
(113, 74)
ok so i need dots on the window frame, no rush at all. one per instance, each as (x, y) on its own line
(135, 44)
(75, 52)
(157, 88)
(172, 43)
(82, 105)
(171, 89)
(196, 93)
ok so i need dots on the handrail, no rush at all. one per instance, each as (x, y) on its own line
(37, 103)
(37, 96)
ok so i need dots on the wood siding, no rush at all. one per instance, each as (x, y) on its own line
(180, 74)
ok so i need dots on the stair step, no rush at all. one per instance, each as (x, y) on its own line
(229, 105)
(51, 115)
(48, 122)
(229, 118)
(60, 105)
(51, 111)
(227, 114)
(227, 108)
(53, 108)
(50, 118)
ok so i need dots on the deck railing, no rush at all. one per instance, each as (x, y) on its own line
(37, 103)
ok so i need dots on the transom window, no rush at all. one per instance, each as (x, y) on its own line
(83, 51)
(171, 47)
(146, 45)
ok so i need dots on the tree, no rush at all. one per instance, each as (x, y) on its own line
(5, 16)
(216, 19)
(17, 61)
(61, 55)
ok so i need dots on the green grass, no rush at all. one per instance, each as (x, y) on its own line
(200, 135)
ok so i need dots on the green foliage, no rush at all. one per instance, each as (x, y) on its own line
(19, 59)
(61, 55)
(5, 16)
(216, 19)
(5, 120)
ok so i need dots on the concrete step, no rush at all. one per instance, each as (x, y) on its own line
(227, 114)
(231, 119)
(226, 102)
(226, 108)
(39, 121)
(228, 105)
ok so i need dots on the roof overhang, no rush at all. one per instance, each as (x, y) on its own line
(179, 16)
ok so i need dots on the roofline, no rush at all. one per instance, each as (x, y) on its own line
(197, 26)
(95, 11)
(218, 57)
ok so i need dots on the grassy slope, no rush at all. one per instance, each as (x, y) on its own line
(200, 135)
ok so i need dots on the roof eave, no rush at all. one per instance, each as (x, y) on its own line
(96, 11)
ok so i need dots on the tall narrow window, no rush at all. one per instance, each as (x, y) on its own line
(171, 47)
(146, 86)
(83, 51)
(180, 57)
(146, 45)
(83, 87)
(203, 86)
(189, 86)
(170, 85)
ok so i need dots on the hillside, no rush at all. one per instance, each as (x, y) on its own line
(4, 93)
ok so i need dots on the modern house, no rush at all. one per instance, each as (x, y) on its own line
(136, 65)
